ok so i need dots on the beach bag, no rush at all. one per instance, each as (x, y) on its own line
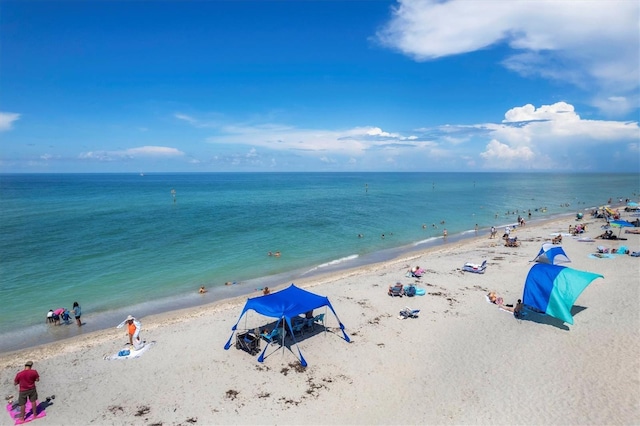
(518, 311)
(410, 291)
(124, 352)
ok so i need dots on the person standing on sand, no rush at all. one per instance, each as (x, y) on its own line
(77, 312)
(133, 330)
(27, 379)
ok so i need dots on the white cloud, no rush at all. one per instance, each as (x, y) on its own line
(533, 137)
(7, 119)
(140, 152)
(591, 44)
(185, 117)
(503, 156)
(528, 137)
(352, 142)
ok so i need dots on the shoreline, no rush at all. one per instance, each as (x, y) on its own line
(223, 294)
(407, 254)
(461, 354)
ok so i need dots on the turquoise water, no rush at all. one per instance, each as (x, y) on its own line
(120, 243)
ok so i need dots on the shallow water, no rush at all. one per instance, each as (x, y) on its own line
(122, 244)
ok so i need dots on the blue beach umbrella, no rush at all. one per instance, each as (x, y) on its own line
(621, 224)
(554, 289)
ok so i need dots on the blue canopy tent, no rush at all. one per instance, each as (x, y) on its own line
(551, 254)
(284, 305)
(553, 289)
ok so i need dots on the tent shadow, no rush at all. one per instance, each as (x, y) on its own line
(542, 318)
(545, 319)
(575, 310)
(289, 343)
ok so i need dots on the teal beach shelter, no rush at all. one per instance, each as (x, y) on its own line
(554, 289)
(285, 305)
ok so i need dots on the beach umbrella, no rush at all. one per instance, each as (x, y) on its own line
(551, 254)
(553, 289)
(621, 224)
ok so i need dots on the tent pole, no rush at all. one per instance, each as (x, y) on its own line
(324, 323)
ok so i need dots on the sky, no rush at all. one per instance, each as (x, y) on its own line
(329, 86)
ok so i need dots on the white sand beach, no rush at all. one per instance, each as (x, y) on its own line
(462, 361)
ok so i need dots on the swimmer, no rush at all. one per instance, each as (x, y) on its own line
(202, 290)
(277, 254)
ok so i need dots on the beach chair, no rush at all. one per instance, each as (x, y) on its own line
(476, 269)
(273, 337)
(396, 290)
(298, 327)
(409, 313)
(318, 318)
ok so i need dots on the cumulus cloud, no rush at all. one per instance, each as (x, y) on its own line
(503, 156)
(132, 153)
(7, 119)
(542, 137)
(591, 44)
(532, 137)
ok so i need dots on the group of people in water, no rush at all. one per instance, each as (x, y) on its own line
(63, 315)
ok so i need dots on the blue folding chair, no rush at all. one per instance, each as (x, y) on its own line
(272, 337)
(318, 318)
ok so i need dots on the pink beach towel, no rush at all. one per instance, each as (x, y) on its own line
(14, 412)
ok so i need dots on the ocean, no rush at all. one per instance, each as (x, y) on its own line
(140, 244)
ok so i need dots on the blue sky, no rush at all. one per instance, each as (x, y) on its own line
(216, 86)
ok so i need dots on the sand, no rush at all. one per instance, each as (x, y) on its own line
(462, 361)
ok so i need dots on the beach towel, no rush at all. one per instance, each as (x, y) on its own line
(130, 352)
(600, 256)
(14, 411)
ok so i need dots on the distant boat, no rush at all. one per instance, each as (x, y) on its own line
(141, 174)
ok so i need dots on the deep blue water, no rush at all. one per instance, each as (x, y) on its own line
(120, 244)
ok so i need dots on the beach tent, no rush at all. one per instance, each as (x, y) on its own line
(551, 254)
(554, 289)
(284, 305)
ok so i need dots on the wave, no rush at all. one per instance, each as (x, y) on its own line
(332, 263)
(427, 241)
